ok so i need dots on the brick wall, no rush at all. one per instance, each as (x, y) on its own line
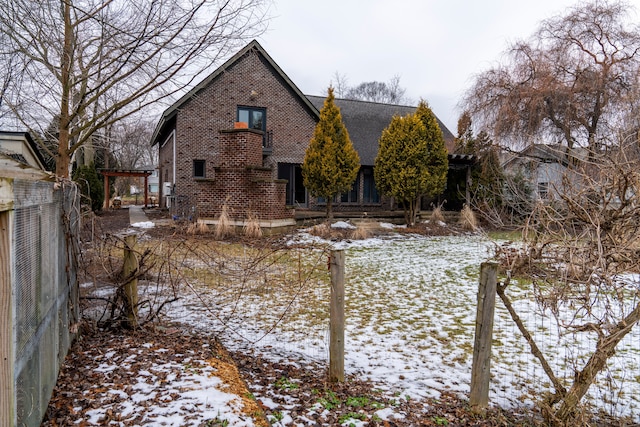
(251, 82)
(241, 182)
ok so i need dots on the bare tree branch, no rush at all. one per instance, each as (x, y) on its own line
(90, 64)
(572, 82)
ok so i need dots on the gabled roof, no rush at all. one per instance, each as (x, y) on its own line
(546, 153)
(7, 141)
(365, 122)
(170, 112)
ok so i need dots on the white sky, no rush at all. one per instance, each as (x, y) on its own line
(435, 46)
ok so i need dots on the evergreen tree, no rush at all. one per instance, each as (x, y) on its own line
(411, 160)
(487, 177)
(90, 185)
(487, 174)
(330, 163)
(437, 157)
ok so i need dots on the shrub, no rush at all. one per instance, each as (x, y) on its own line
(468, 219)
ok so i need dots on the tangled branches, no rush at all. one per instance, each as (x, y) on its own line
(581, 255)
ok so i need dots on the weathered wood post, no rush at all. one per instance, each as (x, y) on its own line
(7, 382)
(481, 368)
(129, 271)
(336, 322)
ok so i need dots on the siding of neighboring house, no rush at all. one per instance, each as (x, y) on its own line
(22, 148)
(543, 167)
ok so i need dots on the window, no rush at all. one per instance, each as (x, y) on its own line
(199, 169)
(254, 117)
(352, 195)
(370, 192)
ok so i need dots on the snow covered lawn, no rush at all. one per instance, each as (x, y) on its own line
(410, 310)
(410, 320)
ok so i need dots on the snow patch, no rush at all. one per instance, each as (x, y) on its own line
(145, 224)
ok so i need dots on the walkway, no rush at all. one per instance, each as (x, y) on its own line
(136, 214)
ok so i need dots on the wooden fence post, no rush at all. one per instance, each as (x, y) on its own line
(336, 322)
(130, 270)
(481, 368)
(7, 363)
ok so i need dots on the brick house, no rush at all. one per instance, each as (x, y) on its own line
(239, 137)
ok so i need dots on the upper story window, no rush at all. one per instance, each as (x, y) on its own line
(254, 117)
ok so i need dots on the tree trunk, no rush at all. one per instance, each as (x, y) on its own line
(411, 212)
(329, 208)
(62, 159)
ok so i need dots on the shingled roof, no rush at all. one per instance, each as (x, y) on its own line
(365, 122)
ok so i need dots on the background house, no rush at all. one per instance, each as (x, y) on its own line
(240, 136)
(542, 168)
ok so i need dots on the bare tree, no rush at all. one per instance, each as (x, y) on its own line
(129, 142)
(90, 64)
(388, 93)
(340, 84)
(571, 82)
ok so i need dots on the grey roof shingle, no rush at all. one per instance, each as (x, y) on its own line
(365, 122)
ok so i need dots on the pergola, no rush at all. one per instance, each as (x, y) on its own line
(119, 172)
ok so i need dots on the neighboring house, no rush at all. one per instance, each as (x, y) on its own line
(542, 166)
(22, 148)
(239, 139)
(153, 181)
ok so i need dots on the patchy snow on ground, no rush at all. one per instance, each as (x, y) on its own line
(144, 224)
(410, 308)
(410, 322)
(343, 225)
(142, 383)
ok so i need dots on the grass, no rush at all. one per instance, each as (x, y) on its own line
(252, 227)
(284, 383)
(436, 215)
(223, 227)
(415, 292)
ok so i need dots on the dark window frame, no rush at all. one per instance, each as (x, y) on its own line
(250, 122)
(370, 192)
(353, 195)
(199, 165)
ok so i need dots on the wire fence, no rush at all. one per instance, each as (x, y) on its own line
(44, 223)
(616, 391)
(410, 315)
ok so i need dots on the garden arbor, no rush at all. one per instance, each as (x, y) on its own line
(106, 173)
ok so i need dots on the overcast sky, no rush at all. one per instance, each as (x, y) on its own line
(435, 46)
